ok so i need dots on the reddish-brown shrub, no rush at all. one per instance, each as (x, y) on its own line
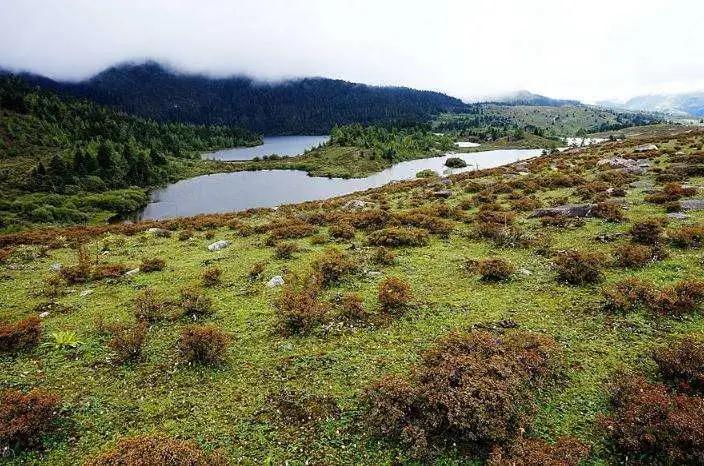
(194, 303)
(681, 299)
(394, 294)
(352, 306)
(152, 450)
(26, 417)
(285, 249)
(633, 255)
(102, 271)
(647, 232)
(298, 309)
(128, 341)
(211, 276)
(576, 267)
(566, 451)
(289, 229)
(20, 335)
(152, 265)
(398, 236)
(628, 295)
(426, 219)
(561, 221)
(682, 364)
(471, 390)
(257, 270)
(687, 236)
(384, 256)
(148, 307)
(649, 424)
(495, 269)
(342, 230)
(81, 272)
(185, 235)
(332, 265)
(205, 344)
(609, 211)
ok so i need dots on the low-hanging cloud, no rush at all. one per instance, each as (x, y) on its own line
(603, 49)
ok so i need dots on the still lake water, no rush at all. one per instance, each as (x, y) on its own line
(227, 192)
(289, 146)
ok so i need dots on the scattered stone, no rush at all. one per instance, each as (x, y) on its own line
(56, 266)
(569, 210)
(646, 148)
(85, 293)
(692, 204)
(357, 204)
(521, 167)
(132, 272)
(677, 215)
(44, 315)
(445, 181)
(642, 184)
(218, 245)
(444, 193)
(608, 237)
(525, 272)
(630, 166)
(276, 280)
(159, 231)
(373, 273)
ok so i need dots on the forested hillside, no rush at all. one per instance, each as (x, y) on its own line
(301, 106)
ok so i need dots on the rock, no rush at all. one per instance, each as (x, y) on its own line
(677, 216)
(444, 193)
(44, 315)
(569, 210)
(521, 167)
(692, 204)
(85, 293)
(132, 272)
(631, 166)
(357, 204)
(445, 181)
(56, 266)
(643, 184)
(276, 280)
(159, 232)
(218, 245)
(646, 148)
(525, 272)
(373, 273)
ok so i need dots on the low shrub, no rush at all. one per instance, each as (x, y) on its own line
(285, 249)
(561, 221)
(682, 364)
(79, 273)
(185, 235)
(646, 232)
(648, 423)
(128, 341)
(577, 268)
(152, 265)
(566, 451)
(332, 265)
(352, 306)
(102, 271)
(384, 256)
(684, 297)
(394, 294)
(204, 344)
(633, 255)
(289, 229)
(194, 303)
(628, 296)
(211, 276)
(148, 307)
(21, 335)
(495, 269)
(26, 417)
(609, 211)
(342, 230)
(399, 236)
(257, 270)
(687, 236)
(298, 309)
(151, 450)
(470, 391)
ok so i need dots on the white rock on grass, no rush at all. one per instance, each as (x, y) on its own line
(85, 293)
(276, 280)
(132, 272)
(218, 245)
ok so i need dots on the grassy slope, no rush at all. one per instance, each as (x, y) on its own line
(226, 407)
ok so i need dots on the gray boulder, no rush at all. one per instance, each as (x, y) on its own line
(276, 280)
(218, 245)
(646, 148)
(692, 204)
(569, 210)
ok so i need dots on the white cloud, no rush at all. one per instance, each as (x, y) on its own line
(600, 49)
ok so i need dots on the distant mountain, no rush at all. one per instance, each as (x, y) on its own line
(528, 98)
(689, 104)
(298, 106)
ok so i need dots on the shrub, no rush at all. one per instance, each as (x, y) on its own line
(151, 450)
(205, 344)
(79, 273)
(427, 173)
(495, 269)
(384, 256)
(648, 423)
(398, 236)
(633, 255)
(195, 303)
(576, 267)
(353, 306)
(331, 265)
(26, 417)
(681, 299)
(285, 249)
(152, 265)
(299, 310)
(102, 271)
(342, 230)
(470, 391)
(609, 211)
(148, 307)
(628, 295)
(20, 335)
(566, 451)
(185, 235)
(128, 341)
(257, 270)
(687, 236)
(646, 232)
(289, 229)
(455, 162)
(318, 239)
(394, 294)
(682, 364)
(211, 276)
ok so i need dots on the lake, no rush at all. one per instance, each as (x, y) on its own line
(227, 192)
(289, 146)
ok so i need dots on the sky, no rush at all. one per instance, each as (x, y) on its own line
(470, 49)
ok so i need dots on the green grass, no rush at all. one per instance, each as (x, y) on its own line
(229, 407)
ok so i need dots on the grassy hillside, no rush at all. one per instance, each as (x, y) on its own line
(327, 369)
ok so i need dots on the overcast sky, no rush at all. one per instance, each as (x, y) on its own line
(588, 50)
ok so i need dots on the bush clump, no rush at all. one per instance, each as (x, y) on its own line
(687, 236)
(682, 298)
(152, 265)
(151, 450)
(332, 265)
(383, 256)
(647, 232)
(352, 306)
(211, 276)
(633, 255)
(577, 268)
(342, 230)
(285, 249)
(609, 211)
(194, 303)
(298, 309)
(566, 451)
(203, 344)
(149, 307)
(495, 269)
(20, 335)
(394, 294)
(682, 364)
(399, 236)
(647, 422)
(26, 417)
(471, 390)
(128, 341)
